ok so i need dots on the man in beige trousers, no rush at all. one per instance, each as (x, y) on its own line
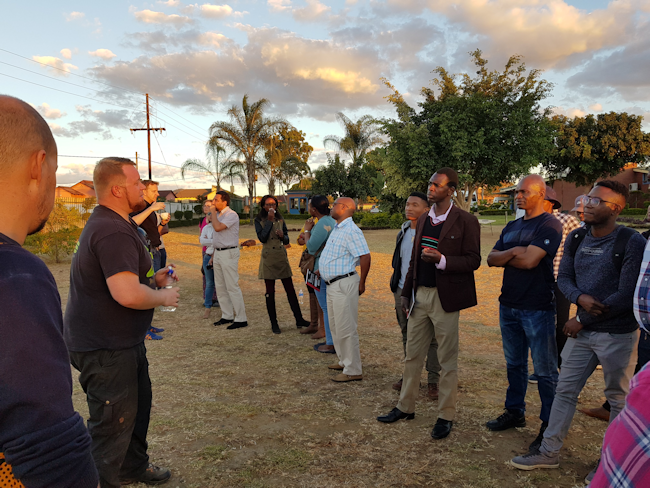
(439, 283)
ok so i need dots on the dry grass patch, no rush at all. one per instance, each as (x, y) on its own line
(247, 408)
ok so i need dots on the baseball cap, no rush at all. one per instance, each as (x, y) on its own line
(580, 204)
(551, 196)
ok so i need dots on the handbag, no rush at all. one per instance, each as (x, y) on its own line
(307, 260)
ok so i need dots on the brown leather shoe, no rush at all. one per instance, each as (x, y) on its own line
(344, 378)
(598, 413)
(433, 391)
(336, 366)
(398, 386)
(309, 330)
(320, 334)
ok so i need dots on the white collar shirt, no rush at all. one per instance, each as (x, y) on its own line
(228, 237)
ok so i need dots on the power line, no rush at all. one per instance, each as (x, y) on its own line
(63, 91)
(71, 73)
(178, 115)
(202, 136)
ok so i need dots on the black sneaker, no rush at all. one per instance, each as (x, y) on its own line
(224, 321)
(537, 443)
(237, 325)
(153, 475)
(506, 421)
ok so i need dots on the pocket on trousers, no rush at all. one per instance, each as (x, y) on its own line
(104, 410)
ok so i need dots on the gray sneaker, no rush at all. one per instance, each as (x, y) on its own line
(536, 460)
(591, 474)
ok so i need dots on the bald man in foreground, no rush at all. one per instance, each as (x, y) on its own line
(43, 441)
(346, 249)
(526, 250)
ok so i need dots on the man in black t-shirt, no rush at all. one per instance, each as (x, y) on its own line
(526, 250)
(43, 441)
(148, 220)
(109, 310)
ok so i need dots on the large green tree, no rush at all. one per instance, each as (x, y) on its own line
(286, 155)
(358, 138)
(593, 147)
(246, 135)
(338, 179)
(489, 127)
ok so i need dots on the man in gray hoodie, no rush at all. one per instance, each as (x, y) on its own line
(598, 272)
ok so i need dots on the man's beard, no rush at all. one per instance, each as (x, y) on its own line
(43, 213)
(136, 206)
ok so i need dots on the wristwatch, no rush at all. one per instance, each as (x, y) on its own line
(307, 232)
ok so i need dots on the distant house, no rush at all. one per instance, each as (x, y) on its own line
(236, 202)
(190, 195)
(635, 178)
(167, 195)
(79, 191)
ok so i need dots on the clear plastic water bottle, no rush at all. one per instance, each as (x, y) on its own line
(301, 297)
(170, 284)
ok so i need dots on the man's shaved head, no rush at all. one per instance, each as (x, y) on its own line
(22, 132)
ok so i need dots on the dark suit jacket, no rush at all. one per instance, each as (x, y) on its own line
(397, 258)
(460, 243)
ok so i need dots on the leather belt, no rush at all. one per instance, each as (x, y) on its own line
(340, 277)
(224, 248)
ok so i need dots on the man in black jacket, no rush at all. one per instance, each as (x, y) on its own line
(416, 205)
(43, 441)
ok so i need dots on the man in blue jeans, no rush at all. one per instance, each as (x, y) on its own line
(526, 250)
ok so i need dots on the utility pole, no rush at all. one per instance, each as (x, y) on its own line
(149, 129)
(136, 160)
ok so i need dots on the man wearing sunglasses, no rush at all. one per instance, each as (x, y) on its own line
(604, 330)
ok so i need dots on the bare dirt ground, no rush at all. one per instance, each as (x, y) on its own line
(247, 408)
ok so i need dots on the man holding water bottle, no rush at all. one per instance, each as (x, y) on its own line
(111, 303)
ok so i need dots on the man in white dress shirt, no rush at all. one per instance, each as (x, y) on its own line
(225, 222)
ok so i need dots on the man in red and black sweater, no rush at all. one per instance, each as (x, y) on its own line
(439, 283)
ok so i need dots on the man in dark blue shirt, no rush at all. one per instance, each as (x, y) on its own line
(526, 250)
(42, 438)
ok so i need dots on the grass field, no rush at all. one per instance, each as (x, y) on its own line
(247, 408)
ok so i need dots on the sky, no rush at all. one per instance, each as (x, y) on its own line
(86, 66)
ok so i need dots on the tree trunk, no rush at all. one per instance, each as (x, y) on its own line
(272, 186)
(250, 169)
(464, 202)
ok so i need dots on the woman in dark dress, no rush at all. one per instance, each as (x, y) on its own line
(272, 232)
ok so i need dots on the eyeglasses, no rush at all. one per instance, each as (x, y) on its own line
(270, 204)
(595, 201)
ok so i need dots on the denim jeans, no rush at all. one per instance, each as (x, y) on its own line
(163, 257)
(157, 258)
(118, 391)
(322, 301)
(209, 281)
(534, 329)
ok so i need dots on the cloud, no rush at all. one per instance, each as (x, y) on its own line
(105, 54)
(66, 53)
(97, 122)
(151, 17)
(549, 33)
(570, 112)
(215, 11)
(56, 63)
(74, 16)
(300, 76)
(71, 173)
(624, 72)
(48, 112)
(211, 39)
(279, 5)
(159, 41)
(312, 12)
(596, 107)
(170, 3)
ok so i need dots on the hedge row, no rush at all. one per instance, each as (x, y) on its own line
(183, 223)
(634, 211)
(495, 212)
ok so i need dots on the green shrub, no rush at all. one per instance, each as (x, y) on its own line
(375, 220)
(634, 211)
(198, 209)
(55, 243)
(358, 216)
(178, 214)
(188, 214)
(396, 221)
(495, 212)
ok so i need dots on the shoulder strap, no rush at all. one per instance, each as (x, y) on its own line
(577, 238)
(623, 237)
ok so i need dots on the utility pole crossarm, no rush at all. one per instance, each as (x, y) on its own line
(149, 129)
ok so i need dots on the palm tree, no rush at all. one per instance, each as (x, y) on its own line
(245, 135)
(359, 138)
(213, 167)
(234, 169)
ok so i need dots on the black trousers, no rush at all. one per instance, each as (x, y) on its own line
(118, 390)
(562, 306)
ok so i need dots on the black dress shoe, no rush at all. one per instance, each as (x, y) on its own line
(394, 415)
(224, 321)
(153, 475)
(237, 325)
(441, 429)
(507, 420)
(276, 329)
